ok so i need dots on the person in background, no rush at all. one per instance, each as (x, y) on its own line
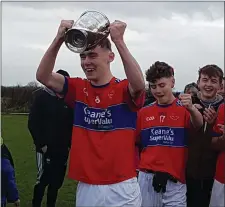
(50, 124)
(149, 97)
(191, 88)
(9, 191)
(202, 158)
(218, 143)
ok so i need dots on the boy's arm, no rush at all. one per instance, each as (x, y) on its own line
(195, 116)
(45, 73)
(218, 143)
(131, 66)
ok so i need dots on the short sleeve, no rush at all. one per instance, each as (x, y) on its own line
(135, 103)
(69, 90)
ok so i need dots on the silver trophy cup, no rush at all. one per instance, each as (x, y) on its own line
(87, 31)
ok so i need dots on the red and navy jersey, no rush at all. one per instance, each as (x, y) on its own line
(163, 132)
(220, 167)
(103, 140)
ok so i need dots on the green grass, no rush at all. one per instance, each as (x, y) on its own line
(17, 137)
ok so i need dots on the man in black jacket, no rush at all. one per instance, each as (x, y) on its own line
(50, 124)
(201, 157)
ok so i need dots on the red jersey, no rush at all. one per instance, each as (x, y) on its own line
(163, 133)
(220, 166)
(103, 139)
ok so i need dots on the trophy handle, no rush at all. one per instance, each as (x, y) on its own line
(106, 31)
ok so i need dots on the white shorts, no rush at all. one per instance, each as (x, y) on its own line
(174, 196)
(217, 196)
(124, 194)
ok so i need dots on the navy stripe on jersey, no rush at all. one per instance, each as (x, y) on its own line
(164, 136)
(109, 119)
(215, 134)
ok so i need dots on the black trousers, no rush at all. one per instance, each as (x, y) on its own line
(51, 173)
(199, 192)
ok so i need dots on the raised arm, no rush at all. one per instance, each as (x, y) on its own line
(131, 67)
(45, 73)
(196, 116)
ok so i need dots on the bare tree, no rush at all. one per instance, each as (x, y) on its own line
(33, 84)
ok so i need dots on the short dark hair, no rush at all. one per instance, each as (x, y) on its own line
(63, 72)
(211, 71)
(159, 70)
(105, 43)
(191, 85)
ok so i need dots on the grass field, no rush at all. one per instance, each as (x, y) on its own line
(17, 138)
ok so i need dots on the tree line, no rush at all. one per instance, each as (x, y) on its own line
(18, 99)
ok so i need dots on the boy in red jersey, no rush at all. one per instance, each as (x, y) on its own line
(103, 141)
(218, 143)
(162, 129)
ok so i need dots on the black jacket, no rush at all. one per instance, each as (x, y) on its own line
(50, 122)
(201, 157)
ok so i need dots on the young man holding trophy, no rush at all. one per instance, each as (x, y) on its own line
(103, 141)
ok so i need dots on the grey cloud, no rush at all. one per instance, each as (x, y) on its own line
(210, 10)
(186, 35)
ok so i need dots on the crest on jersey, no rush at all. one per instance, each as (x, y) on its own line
(174, 117)
(111, 93)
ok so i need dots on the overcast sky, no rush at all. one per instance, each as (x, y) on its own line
(187, 35)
